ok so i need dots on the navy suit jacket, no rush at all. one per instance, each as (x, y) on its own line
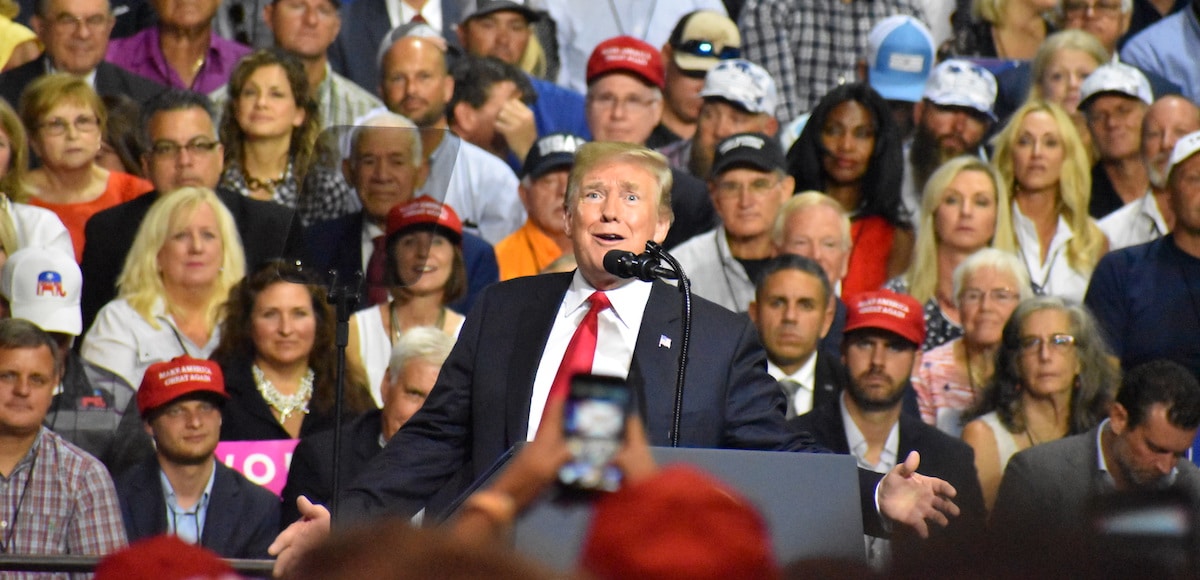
(337, 245)
(942, 456)
(110, 80)
(242, 518)
(267, 230)
(311, 472)
(479, 407)
(354, 54)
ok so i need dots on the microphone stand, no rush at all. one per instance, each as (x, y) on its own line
(685, 287)
(345, 299)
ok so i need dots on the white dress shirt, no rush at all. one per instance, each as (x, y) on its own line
(1137, 222)
(1055, 276)
(879, 550)
(616, 336)
(805, 376)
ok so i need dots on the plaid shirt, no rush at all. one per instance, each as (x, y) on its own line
(68, 507)
(326, 194)
(809, 46)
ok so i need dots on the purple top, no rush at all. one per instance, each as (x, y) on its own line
(141, 54)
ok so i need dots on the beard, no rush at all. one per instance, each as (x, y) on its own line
(927, 153)
(874, 401)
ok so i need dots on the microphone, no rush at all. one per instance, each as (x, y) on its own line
(644, 267)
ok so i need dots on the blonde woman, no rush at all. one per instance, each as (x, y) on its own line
(965, 207)
(1009, 29)
(18, 44)
(1041, 158)
(184, 260)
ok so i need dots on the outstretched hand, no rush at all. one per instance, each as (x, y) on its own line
(292, 543)
(914, 500)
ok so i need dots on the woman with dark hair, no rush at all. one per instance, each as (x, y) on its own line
(120, 146)
(850, 150)
(1054, 377)
(278, 358)
(270, 130)
(424, 272)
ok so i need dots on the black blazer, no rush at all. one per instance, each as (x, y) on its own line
(311, 470)
(942, 456)
(337, 245)
(247, 417)
(110, 80)
(480, 404)
(354, 54)
(242, 518)
(268, 230)
(829, 378)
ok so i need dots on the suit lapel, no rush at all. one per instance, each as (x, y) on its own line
(829, 428)
(655, 360)
(531, 329)
(152, 520)
(223, 509)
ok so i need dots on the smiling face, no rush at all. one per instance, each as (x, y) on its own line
(424, 262)
(616, 208)
(74, 148)
(283, 324)
(1038, 152)
(848, 139)
(382, 169)
(75, 33)
(191, 255)
(966, 218)
(1116, 125)
(266, 107)
(1048, 369)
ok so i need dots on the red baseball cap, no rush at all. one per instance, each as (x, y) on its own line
(183, 375)
(425, 213)
(627, 54)
(163, 557)
(680, 523)
(887, 310)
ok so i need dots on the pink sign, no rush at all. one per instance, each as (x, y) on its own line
(263, 462)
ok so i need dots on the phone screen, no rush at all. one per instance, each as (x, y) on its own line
(594, 421)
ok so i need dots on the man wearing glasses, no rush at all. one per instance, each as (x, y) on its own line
(75, 34)
(184, 151)
(748, 185)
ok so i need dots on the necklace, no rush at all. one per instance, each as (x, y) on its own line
(394, 321)
(267, 185)
(285, 405)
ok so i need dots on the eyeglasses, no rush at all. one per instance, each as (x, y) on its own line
(1077, 9)
(758, 188)
(999, 295)
(58, 126)
(94, 23)
(706, 49)
(1057, 342)
(170, 149)
(610, 102)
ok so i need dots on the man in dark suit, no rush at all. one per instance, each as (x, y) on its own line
(1047, 488)
(413, 368)
(183, 490)
(75, 34)
(793, 308)
(184, 151)
(355, 53)
(385, 167)
(884, 331)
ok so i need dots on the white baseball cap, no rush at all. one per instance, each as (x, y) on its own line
(742, 83)
(43, 286)
(1115, 77)
(1185, 147)
(961, 83)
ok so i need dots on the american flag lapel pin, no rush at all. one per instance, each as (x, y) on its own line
(664, 341)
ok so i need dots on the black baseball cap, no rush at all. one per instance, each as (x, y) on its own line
(554, 151)
(753, 150)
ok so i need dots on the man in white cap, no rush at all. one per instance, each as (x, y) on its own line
(953, 116)
(93, 408)
(1114, 99)
(1149, 218)
(1147, 298)
(739, 97)
(700, 40)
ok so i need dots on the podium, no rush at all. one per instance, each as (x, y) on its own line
(810, 502)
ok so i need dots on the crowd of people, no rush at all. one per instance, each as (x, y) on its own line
(964, 229)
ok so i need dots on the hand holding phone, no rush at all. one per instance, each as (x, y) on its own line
(594, 426)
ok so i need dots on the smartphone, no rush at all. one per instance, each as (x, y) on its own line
(594, 422)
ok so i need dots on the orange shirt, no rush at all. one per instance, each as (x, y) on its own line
(867, 271)
(121, 188)
(525, 252)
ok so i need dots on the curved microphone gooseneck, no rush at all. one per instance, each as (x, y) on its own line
(685, 287)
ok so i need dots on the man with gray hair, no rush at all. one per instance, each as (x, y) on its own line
(1150, 217)
(417, 358)
(814, 225)
(1114, 99)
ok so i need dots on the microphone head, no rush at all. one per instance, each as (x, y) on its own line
(620, 263)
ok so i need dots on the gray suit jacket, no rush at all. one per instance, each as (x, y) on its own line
(1046, 489)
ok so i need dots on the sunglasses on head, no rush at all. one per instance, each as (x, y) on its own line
(706, 49)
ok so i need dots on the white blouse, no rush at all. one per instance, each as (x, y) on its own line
(1055, 276)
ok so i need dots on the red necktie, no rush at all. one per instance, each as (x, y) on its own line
(581, 350)
(419, 19)
(377, 291)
